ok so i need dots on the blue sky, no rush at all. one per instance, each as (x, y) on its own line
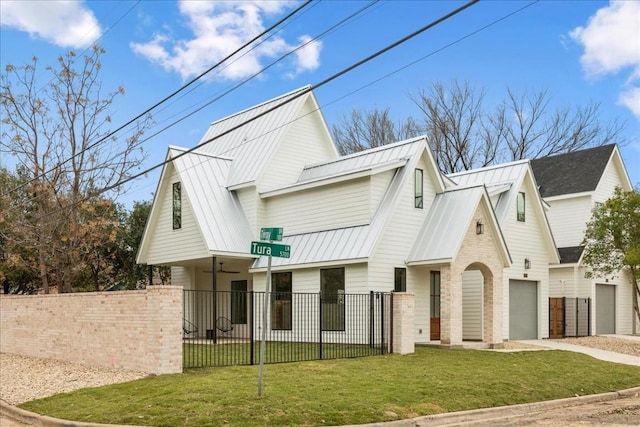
(580, 51)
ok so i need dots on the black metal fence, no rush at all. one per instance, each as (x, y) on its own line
(226, 327)
(577, 317)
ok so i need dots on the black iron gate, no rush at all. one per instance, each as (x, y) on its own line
(575, 318)
(225, 327)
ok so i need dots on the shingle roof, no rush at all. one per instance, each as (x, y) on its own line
(571, 254)
(571, 173)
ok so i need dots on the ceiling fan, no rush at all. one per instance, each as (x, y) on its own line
(221, 270)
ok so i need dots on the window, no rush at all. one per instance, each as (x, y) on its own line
(418, 188)
(332, 294)
(435, 294)
(520, 207)
(177, 206)
(239, 302)
(281, 309)
(400, 280)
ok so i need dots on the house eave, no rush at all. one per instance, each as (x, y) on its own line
(430, 262)
(320, 264)
(348, 176)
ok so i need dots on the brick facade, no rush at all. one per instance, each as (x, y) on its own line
(131, 330)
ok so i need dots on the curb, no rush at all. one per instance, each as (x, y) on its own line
(37, 420)
(33, 419)
(458, 418)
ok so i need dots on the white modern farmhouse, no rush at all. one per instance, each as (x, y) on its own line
(474, 249)
(573, 184)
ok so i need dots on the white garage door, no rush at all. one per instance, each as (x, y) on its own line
(605, 309)
(523, 310)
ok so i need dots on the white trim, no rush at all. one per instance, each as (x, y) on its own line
(287, 267)
(569, 196)
(440, 261)
(346, 176)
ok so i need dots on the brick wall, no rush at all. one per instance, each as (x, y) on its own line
(131, 330)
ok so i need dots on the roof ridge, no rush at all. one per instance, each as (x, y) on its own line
(199, 153)
(366, 152)
(269, 101)
(490, 167)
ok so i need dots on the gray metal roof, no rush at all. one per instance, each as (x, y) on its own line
(445, 225)
(363, 160)
(219, 214)
(494, 177)
(344, 244)
(252, 144)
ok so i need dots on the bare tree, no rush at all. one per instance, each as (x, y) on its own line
(464, 134)
(59, 133)
(362, 130)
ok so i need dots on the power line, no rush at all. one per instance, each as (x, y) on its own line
(165, 99)
(246, 80)
(275, 107)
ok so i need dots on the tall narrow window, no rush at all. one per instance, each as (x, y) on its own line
(281, 304)
(177, 206)
(520, 206)
(239, 302)
(332, 292)
(400, 280)
(435, 294)
(418, 188)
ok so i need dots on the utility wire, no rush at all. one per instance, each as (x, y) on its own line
(246, 80)
(165, 99)
(289, 99)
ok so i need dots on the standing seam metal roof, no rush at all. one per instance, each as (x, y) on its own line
(253, 143)
(219, 214)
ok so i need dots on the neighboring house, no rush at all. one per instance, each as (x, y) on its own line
(380, 220)
(573, 184)
(521, 215)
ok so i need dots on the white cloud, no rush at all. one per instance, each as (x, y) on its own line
(63, 23)
(611, 41)
(218, 29)
(630, 98)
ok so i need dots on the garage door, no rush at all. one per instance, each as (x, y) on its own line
(523, 310)
(605, 309)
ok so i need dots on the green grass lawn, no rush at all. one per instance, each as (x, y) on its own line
(350, 391)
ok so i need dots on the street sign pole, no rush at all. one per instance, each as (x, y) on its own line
(263, 343)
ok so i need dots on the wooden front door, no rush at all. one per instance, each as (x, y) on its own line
(556, 317)
(435, 306)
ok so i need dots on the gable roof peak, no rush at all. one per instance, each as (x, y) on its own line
(302, 89)
(574, 172)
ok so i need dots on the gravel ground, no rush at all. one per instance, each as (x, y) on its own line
(24, 378)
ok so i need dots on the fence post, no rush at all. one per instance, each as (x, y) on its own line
(320, 325)
(371, 319)
(251, 329)
(564, 317)
(391, 322)
(381, 323)
(588, 316)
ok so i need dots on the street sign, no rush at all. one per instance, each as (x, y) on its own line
(271, 234)
(270, 249)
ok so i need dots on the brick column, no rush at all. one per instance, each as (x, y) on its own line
(493, 298)
(450, 307)
(403, 324)
(164, 329)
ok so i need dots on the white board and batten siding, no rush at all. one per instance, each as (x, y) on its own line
(169, 245)
(563, 282)
(329, 207)
(305, 142)
(568, 218)
(396, 242)
(378, 188)
(611, 178)
(525, 240)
